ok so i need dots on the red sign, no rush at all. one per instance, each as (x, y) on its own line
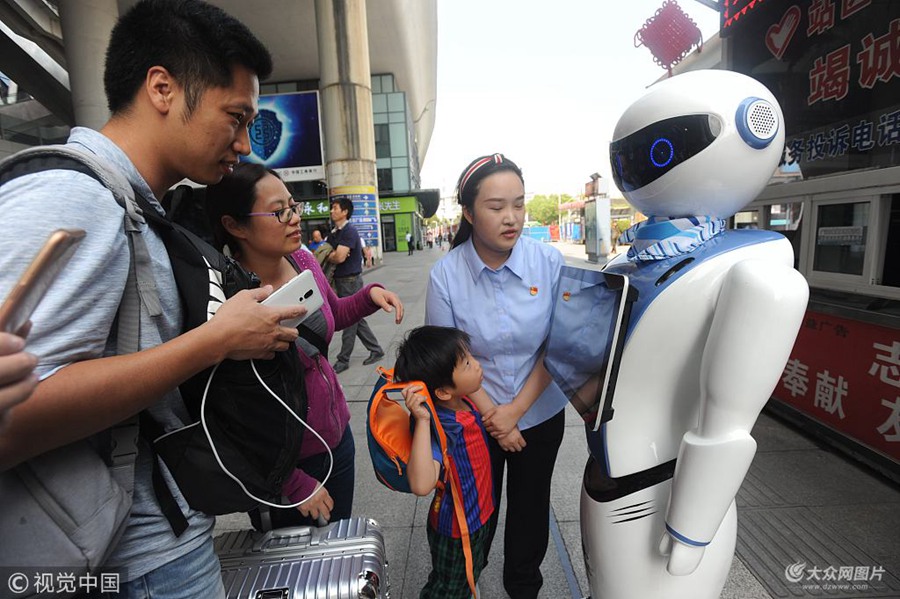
(780, 34)
(733, 10)
(846, 375)
(834, 66)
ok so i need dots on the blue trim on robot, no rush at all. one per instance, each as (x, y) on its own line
(740, 121)
(644, 275)
(684, 539)
(671, 152)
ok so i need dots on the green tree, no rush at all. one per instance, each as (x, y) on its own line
(543, 209)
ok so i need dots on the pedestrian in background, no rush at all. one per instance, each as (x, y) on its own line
(317, 240)
(348, 256)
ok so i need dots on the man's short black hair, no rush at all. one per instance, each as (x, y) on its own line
(430, 354)
(345, 203)
(198, 43)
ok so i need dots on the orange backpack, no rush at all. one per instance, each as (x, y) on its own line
(389, 436)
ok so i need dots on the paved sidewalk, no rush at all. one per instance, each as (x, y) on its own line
(800, 502)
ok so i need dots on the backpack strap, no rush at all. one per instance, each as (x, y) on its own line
(452, 476)
(119, 443)
(142, 286)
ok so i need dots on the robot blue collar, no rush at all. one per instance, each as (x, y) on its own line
(662, 237)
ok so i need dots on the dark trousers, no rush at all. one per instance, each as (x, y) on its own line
(447, 579)
(345, 287)
(339, 485)
(528, 478)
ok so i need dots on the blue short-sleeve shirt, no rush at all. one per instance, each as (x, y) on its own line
(507, 314)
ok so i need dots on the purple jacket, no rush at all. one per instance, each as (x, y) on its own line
(328, 412)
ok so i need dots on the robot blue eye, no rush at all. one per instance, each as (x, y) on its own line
(661, 152)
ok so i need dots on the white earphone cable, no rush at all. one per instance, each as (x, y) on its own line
(212, 445)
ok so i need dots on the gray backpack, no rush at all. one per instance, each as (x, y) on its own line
(67, 508)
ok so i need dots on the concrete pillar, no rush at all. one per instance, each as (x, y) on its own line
(86, 25)
(345, 91)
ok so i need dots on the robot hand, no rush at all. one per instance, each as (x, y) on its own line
(683, 559)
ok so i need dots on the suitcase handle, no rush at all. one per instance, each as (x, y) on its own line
(262, 544)
(283, 593)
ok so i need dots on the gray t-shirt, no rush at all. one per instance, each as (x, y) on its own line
(75, 319)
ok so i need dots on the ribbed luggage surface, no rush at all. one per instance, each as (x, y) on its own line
(344, 560)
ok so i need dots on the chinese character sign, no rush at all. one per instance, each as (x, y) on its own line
(316, 209)
(365, 211)
(846, 375)
(835, 67)
(399, 205)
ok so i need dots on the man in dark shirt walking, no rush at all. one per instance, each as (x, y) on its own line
(348, 255)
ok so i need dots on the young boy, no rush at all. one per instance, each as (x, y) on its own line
(439, 357)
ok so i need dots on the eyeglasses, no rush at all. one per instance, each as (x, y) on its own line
(284, 215)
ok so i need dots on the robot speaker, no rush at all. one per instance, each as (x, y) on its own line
(756, 122)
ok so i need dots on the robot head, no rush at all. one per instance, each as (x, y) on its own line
(701, 143)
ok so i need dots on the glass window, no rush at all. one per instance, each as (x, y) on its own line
(398, 140)
(748, 219)
(267, 88)
(382, 163)
(379, 103)
(376, 84)
(401, 179)
(285, 88)
(385, 179)
(387, 83)
(890, 276)
(841, 231)
(397, 102)
(382, 141)
(398, 117)
(380, 117)
(785, 218)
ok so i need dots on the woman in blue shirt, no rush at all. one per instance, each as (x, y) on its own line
(498, 287)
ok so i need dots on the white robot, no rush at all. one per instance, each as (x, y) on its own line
(715, 317)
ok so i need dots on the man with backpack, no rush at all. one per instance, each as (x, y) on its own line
(182, 82)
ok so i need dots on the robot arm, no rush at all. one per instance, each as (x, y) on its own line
(758, 314)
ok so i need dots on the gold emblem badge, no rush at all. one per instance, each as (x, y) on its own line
(566, 296)
(533, 290)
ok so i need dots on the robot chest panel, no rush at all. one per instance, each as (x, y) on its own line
(658, 389)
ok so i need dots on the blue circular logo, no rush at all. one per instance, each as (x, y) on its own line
(661, 152)
(265, 134)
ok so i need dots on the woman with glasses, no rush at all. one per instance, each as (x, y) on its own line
(255, 219)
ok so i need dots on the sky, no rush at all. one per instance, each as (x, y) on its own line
(541, 81)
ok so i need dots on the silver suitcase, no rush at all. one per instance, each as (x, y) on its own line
(343, 560)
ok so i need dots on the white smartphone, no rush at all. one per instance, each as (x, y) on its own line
(37, 278)
(299, 291)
